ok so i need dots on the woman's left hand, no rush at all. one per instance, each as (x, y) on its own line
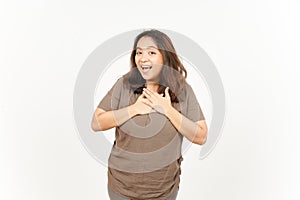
(157, 101)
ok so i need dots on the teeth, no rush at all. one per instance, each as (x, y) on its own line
(146, 67)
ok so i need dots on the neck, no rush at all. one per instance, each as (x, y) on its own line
(152, 86)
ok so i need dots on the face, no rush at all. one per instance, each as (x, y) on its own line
(148, 59)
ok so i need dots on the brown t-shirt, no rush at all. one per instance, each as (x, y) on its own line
(145, 159)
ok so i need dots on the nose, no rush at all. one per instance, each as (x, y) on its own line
(144, 58)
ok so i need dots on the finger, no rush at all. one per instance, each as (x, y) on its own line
(151, 93)
(147, 102)
(147, 90)
(147, 95)
(167, 93)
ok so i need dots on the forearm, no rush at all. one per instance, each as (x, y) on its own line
(110, 119)
(191, 130)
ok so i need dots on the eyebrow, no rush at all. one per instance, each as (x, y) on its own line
(149, 47)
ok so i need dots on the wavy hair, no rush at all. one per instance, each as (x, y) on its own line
(173, 73)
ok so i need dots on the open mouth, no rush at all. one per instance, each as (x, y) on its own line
(146, 68)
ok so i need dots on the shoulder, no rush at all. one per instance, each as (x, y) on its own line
(119, 83)
(122, 86)
(117, 87)
(186, 91)
(187, 86)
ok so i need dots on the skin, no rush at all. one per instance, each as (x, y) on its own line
(150, 101)
(148, 54)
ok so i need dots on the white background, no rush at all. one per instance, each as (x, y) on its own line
(254, 45)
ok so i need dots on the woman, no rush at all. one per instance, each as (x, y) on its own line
(152, 108)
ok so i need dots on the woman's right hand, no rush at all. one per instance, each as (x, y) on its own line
(140, 107)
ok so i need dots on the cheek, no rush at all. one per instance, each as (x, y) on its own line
(136, 60)
(158, 68)
(160, 60)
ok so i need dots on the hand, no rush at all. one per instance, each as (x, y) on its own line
(156, 101)
(141, 108)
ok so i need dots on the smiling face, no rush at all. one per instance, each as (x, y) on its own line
(148, 59)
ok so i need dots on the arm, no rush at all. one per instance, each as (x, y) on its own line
(196, 132)
(104, 120)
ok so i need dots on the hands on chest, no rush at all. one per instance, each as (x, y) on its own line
(150, 101)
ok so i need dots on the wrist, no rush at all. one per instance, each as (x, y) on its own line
(131, 110)
(169, 111)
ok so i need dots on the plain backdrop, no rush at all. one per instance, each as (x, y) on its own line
(254, 45)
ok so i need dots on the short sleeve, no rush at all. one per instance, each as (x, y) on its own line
(111, 100)
(194, 111)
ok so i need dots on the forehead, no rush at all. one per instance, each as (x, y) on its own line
(146, 42)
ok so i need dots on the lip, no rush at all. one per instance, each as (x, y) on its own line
(146, 68)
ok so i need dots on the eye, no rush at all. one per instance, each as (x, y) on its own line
(152, 53)
(138, 53)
